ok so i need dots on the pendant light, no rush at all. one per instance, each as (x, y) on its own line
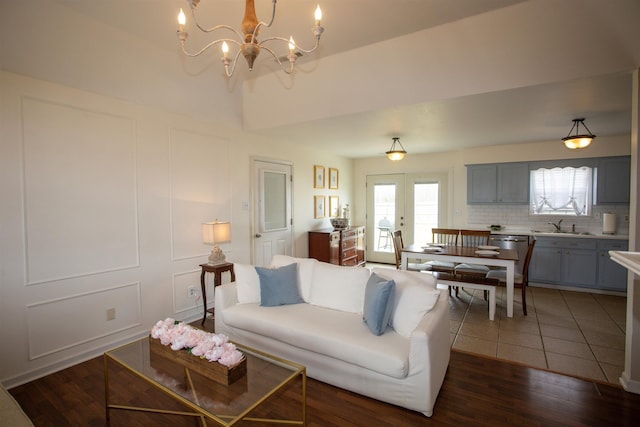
(578, 140)
(394, 152)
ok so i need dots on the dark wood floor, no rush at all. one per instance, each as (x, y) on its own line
(477, 391)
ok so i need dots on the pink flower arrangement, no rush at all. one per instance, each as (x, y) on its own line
(213, 347)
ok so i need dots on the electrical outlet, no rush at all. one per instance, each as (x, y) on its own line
(192, 292)
(111, 313)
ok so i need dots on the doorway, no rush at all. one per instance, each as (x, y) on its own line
(412, 203)
(272, 210)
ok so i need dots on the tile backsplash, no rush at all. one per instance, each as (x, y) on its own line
(517, 217)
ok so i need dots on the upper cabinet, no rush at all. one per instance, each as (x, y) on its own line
(506, 183)
(613, 178)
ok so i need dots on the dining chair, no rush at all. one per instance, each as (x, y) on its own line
(397, 247)
(446, 236)
(473, 238)
(520, 279)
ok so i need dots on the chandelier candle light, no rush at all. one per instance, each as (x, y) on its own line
(247, 40)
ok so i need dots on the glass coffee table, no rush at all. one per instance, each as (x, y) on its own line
(207, 399)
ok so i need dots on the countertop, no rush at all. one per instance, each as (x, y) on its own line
(542, 233)
(630, 260)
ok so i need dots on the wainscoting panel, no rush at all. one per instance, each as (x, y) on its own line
(181, 284)
(200, 190)
(79, 191)
(62, 323)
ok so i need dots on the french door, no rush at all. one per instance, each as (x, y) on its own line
(412, 203)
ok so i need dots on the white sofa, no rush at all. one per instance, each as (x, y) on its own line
(405, 365)
(11, 414)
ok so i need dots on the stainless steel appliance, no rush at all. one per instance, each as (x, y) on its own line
(520, 243)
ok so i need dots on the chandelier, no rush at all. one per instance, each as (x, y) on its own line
(247, 41)
(396, 153)
(578, 140)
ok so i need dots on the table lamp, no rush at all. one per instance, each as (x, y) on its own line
(214, 233)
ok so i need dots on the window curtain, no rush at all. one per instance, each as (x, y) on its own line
(561, 190)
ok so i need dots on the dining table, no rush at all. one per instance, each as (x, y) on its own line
(483, 255)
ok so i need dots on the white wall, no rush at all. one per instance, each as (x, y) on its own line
(102, 201)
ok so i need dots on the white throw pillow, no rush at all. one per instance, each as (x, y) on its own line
(305, 271)
(248, 283)
(339, 288)
(415, 295)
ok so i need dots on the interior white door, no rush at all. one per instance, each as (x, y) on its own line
(385, 213)
(272, 210)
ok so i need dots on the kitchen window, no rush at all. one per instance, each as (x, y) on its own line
(561, 191)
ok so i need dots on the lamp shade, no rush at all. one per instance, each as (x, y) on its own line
(216, 232)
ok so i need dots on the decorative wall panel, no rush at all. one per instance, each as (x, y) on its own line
(79, 191)
(65, 322)
(181, 284)
(200, 189)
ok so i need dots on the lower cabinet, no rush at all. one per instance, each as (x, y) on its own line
(341, 247)
(578, 262)
(611, 275)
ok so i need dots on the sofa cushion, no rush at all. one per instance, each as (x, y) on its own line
(337, 287)
(247, 283)
(337, 334)
(415, 295)
(279, 286)
(378, 301)
(305, 271)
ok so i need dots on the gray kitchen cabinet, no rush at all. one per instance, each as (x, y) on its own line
(579, 267)
(567, 261)
(506, 183)
(613, 180)
(611, 275)
(545, 266)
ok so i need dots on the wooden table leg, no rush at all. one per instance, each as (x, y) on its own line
(204, 295)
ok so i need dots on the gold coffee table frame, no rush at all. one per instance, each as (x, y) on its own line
(135, 357)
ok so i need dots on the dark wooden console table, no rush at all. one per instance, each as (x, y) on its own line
(217, 271)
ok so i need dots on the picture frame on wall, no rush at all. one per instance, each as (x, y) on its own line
(334, 206)
(318, 176)
(333, 178)
(319, 207)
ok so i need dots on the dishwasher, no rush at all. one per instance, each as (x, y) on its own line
(520, 243)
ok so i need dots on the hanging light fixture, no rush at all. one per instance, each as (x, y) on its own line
(394, 152)
(247, 41)
(578, 140)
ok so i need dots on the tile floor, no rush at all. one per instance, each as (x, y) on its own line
(575, 333)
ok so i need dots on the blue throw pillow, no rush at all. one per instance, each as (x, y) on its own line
(378, 301)
(279, 286)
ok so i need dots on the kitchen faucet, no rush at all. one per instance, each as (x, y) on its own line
(556, 226)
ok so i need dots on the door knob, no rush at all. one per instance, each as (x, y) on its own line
(258, 235)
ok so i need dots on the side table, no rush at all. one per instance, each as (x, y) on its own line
(217, 271)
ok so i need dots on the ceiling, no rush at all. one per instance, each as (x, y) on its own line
(534, 112)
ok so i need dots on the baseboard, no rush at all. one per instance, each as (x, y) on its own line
(628, 384)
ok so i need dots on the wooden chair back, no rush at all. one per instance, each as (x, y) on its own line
(527, 261)
(397, 247)
(447, 236)
(474, 237)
